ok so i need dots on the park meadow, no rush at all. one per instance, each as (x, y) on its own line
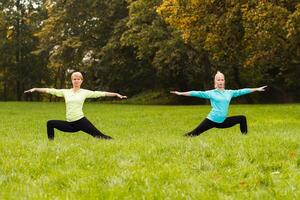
(149, 158)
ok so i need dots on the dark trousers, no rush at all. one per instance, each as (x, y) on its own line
(207, 124)
(82, 124)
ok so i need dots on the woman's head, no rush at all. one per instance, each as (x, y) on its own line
(77, 79)
(219, 80)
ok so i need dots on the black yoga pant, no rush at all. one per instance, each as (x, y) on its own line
(82, 124)
(207, 124)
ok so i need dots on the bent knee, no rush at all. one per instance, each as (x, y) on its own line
(243, 118)
(50, 123)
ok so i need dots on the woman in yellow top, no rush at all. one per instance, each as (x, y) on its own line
(74, 99)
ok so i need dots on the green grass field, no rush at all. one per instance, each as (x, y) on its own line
(149, 158)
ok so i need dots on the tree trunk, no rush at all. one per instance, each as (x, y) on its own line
(5, 90)
(18, 52)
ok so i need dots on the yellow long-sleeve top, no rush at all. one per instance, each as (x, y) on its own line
(74, 101)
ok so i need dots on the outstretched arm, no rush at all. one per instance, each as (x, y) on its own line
(240, 92)
(180, 93)
(43, 90)
(198, 94)
(112, 94)
(260, 89)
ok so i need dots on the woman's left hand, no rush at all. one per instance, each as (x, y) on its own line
(121, 96)
(261, 89)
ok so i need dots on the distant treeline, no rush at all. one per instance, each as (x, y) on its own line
(136, 46)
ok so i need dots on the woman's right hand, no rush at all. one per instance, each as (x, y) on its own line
(31, 90)
(175, 92)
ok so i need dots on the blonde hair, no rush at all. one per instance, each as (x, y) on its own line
(216, 75)
(77, 74)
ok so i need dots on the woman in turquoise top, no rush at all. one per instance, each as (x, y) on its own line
(219, 99)
(74, 99)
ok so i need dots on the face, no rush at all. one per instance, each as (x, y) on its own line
(76, 80)
(219, 81)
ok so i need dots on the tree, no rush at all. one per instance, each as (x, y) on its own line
(19, 21)
(246, 39)
(84, 35)
(175, 63)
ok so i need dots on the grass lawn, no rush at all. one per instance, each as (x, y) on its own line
(149, 158)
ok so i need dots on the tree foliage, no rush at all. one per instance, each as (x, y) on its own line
(131, 46)
(249, 40)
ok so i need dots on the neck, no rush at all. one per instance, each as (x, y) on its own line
(76, 88)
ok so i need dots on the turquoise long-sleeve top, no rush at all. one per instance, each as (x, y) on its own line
(219, 101)
(74, 101)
